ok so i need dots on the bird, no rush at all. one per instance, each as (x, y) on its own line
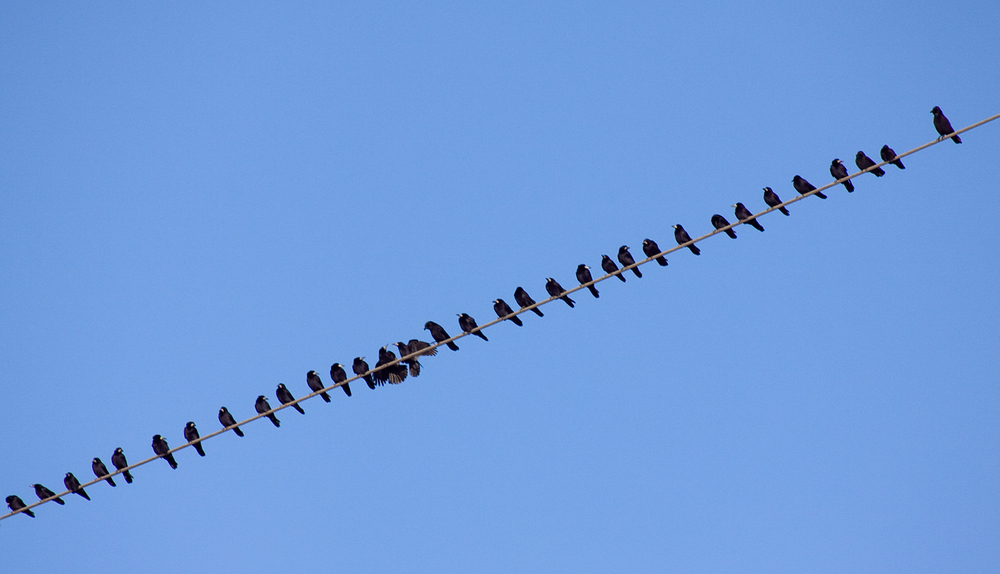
(839, 171)
(43, 493)
(262, 407)
(73, 485)
(772, 200)
(583, 276)
(191, 434)
(803, 187)
(625, 258)
(101, 471)
(439, 334)
(651, 249)
(744, 215)
(719, 222)
(864, 162)
(15, 503)
(412, 362)
(394, 374)
(227, 421)
(118, 459)
(504, 311)
(467, 323)
(422, 348)
(162, 449)
(523, 299)
(682, 237)
(285, 396)
(890, 156)
(360, 367)
(338, 375)
(316, 384)
(943, 126)
(556, 290)
(609, 267)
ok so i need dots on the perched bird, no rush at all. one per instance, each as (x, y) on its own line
(625, 258)
(719, 222)
(15, 503)
(864, 162)
(360, 367)
(42, 493)
(262, 407)
(191, 434)
(73, 485)
(439, 334)
(118, 459)
(583, 276)
(609, 267)
(412, 362)
(839, 171)
(504, 311)
(744, 215)
(467, 323)
(682, 237)
(890, 156)
(101, 471)
(523, 299)
(650, 248)
(161, 449)
(772, 200)
(803, 187)
(316, 384)
(556, 290)
(384, 372)
(227, 420)
(285, 396)
(339, 375)
(943, 126)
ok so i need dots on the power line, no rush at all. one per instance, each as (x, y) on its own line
(416, 355)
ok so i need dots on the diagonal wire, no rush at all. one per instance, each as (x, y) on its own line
(416, 355)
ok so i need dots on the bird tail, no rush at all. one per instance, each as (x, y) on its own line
(516, 320)
(593, 291)
(538, 312)
(820, 195)
(879, 172)
(568, 300)
(956, 139)
(694, 249)
(369, 381)
(84, 494)
(899, 163)
(481, 335)
(452, 346)
(235, 430)
(274, 420)
(128, 476)
(170, 460)
(28, 512)
(849, 185)
(783, 210)
(756, 224)
(199, 448)
(60, 501)
(731, 233)
(326, 396)
(637, 272)
(622, 277)
(110, 481)
(415, 368)
(298, 408)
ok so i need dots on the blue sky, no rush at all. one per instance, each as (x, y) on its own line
(200, 202)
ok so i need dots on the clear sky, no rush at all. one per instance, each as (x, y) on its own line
(200, 202)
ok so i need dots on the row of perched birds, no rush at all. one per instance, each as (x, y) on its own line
(388, 370)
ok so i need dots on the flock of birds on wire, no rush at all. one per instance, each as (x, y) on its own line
(395, 373)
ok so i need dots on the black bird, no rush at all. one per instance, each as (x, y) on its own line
(556, 290)
(15, 503)
(890, 156)
(101, 471)
(504, 311)
(360, 367)
(772, 200)
(439, 334)
(191, 434)
(338, 374)
(118, 459)
(262, 407)
(839, 171)
(467, 324)
(803, 187)
(285, 396)
(583, 276)
(682, 237)
(719, 222)
(523, 299)
(42, 493)
(744, 215)
(161, 449)
(423, 349)
(227, 421)
(73, 484)
(864, 162)
(609, 267)
(650, 248)
(315, 383)
(412, 362)
(943, 126)
(394, 374)
(625, 258)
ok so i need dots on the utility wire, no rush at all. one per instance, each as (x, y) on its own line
(416, 355)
